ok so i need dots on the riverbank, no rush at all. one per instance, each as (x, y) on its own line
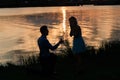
(50, 3)
(97, 64)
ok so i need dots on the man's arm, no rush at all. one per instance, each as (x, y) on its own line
(52, 47)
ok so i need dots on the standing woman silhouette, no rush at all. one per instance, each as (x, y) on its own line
(78, 42)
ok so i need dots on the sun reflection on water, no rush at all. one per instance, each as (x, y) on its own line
(64, 19)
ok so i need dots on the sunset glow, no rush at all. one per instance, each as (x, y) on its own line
(19, 29)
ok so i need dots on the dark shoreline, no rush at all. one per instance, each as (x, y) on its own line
(52, 5)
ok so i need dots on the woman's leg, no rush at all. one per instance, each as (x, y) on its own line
(78, 63)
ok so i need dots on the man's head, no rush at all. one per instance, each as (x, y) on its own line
(44, 30)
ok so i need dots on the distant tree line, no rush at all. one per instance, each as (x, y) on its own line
(23, 3)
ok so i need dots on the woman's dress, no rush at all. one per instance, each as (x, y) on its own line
(78, 45)
(78, 42)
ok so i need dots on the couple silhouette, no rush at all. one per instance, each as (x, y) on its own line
(47, 59)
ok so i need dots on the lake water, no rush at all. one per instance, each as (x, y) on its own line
(19, 27)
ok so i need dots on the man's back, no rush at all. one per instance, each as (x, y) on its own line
(43, 44)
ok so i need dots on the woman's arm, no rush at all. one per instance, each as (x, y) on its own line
(77, 31)
(55, 46)
(71, 33)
